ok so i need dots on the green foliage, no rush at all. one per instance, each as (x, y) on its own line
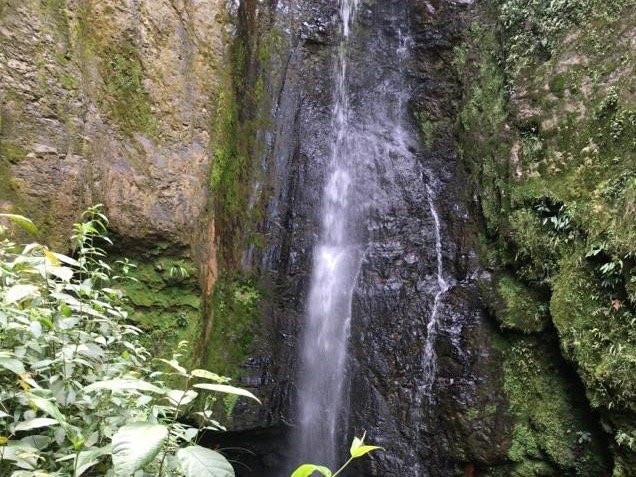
(534, 28)
(600, 337)
(549, 419)
(427, 126)
(79, 395)
(558, 193)
(235, 308)
(164, 298)
(358, 449)
(22, 222)
(521, 308)
(13, 153)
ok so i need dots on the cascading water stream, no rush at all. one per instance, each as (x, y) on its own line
(336, 262)
(430, 363)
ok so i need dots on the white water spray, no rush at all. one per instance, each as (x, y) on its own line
(430, 363)
(335, 266)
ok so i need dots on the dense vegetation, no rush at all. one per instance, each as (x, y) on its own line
(79, 393)
(548, 127)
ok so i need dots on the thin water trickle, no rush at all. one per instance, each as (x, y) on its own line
(335, 265)
(430, 357)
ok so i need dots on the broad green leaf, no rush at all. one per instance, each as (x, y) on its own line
(19, 292)
(306, 470)
(205, 374)
(37, 442)
(135, 446)
(22, 222)
(224, 388)
(88, 458)
(124, 385)
(362, 450)
(63, 273)
(197, 461)
(35, 424)
(174, 365)
(12, 364)
(47, 406)
(177, 397)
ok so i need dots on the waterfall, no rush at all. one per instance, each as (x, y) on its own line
(336, 261)
(430, 357)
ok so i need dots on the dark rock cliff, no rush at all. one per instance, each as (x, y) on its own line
(204, 129)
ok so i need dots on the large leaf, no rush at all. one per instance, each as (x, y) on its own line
(174, 365)
(35, 424)
(22, 222)
(136, 445)
(306, 470)
(124, 385)
(50, 408)
(12, 364)
(197, 461)
(205, 374)
(177, 397)
(19, 292)
(224, 388)
(88, 458)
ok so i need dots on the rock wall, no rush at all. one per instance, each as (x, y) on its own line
(202, 130)
(114, 102)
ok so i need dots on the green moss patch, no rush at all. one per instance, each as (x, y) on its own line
(547, 127)
(164, 298)
(235, 312)
(553, 433)
(128, 100)
(519, 307)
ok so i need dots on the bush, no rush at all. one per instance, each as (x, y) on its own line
(78, 394)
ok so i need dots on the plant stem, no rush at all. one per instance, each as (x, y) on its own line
(343, 467)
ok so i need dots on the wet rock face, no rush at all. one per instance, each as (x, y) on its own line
(398, 56)
(109, 102)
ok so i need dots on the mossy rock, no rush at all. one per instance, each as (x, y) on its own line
(554, 433)
(517, 306)
(164, 299)
(236, 308)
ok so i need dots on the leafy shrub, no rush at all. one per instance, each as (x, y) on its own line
(78, 394)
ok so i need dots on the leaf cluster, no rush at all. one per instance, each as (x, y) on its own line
(79, 395)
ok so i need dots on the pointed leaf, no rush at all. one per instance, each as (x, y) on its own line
(362, 450)
(136, 445)
(22, 222)
(63, 273)
(358, 448)
(174, 365)
(19, 292)
(197, 461)
(124, 385)
(306, 470)
(50, 408)
(224, 388)
(35, 424)
(65, 259)
(88, 458)
(177, 397)
(205, 374)
(12, 364)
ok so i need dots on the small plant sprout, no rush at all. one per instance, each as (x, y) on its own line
(358, 449)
